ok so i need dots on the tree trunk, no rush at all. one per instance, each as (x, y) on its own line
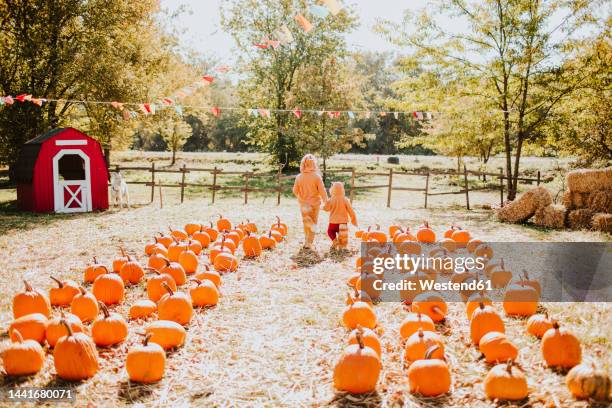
(173, 156)
(324, 169)
(508, 151)
(107, 157)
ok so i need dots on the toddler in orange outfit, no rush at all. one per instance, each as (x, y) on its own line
(340, 212)
(310, 191)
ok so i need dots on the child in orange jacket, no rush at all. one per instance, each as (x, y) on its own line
(310, 191)
(340, 212)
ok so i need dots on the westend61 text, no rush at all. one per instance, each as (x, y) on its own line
(430, 285)
(414, 263)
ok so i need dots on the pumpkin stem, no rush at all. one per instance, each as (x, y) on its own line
(359, 336)
(59, 282)
(168, 289)
(152, 270)
(509, 366)
(104, 310)
(481, 305)
(198, 281)
(421, 334)
(82, 290)
(67, 326)
(95, 260)
(430, 351)
(525, 275)
(278, 220)
(501, 263)
(555, 325)
(146, 339)
(18, 335)
(28, 287)
(122, 251)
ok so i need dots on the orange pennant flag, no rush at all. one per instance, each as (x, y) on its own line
(216, 111)
(304, 23)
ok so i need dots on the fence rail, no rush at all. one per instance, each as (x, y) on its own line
(392, 176)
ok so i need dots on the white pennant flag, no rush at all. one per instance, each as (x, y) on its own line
(333, 6)
(284, 35)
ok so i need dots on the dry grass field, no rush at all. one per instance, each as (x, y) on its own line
(276, 333)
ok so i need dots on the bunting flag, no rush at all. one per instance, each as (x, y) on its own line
(262, 46)
(298, 113)
(319, 11)
(320, 113)
(274, 44)
(396, 115)
(418, 115)
(284, 35)
(133, 114)
(333, 6)
(126, 115)
(351, 115)
(264, 112)
(37, 101)
(383, 114)
(152, 108)
(117, 105)
(368, 114)
(208, 79)
(167, 101)
(179, 110)
(145, 108)
(9, 100)
(428, 115)
(223, 69)
(304, 23)
(216, 111)
(23, 97)
(253, 112)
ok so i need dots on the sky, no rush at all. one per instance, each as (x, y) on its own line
(200, 27)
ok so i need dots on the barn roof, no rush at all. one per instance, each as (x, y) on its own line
(24, 168)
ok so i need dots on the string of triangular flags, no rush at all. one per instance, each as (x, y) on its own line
(283, 35)
(153, 108)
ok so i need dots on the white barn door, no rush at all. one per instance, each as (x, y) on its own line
(71, 196)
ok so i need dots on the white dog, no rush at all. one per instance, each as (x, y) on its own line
(119, 190)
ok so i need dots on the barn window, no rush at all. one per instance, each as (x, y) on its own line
(71, 167)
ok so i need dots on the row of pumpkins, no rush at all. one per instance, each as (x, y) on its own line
(359, 367)
(172, 258)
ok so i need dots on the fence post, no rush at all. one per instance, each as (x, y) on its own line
(214, 186)
(390, 187)
(152, 181)
(246, 187)
(467, 188)
(183, 183)
(501, 186)
(352, 184)
(538, 177)
(426, 188)
(161, 199)
(278, 180)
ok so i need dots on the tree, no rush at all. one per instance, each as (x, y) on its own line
(175, 133)
(271, 73)
(75, 50)
(517, 47)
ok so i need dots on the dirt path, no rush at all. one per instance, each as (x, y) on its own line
(275, 335)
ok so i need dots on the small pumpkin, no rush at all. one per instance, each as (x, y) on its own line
(223, 223)
(177, 272)
(586, 381)
(194, 246)
(85, 306)
(432, 304)
(484, 251)
(63, 294)
(192, 227)
(131, 272)
(426, 234)
(189, 261)
(157, 261)
(429, 376)
(175, 306)
(109, 329)
(484, 320)
(413, 322)
(496, 348)
(145, 363)
(31, 301)
(56, 329)
(212, 232)
(155, 289)
(418, 343)
(506, 382)
(225, 262)
(251, 246)
(473, 244)
(22, 357)
(526, 281)
(119, 262)
(154, 247)
(166, 333)
(538, 324)
(109, 289)
(30, 327)
(369, 337)
(93, 271)
(560, 348)
(210, 274)
(177, 234)
(165, 239)
(267, 241)
(75, 356)
(499, 275)
(204, 294)
(279, 226)
(461, 237)
(175, 249)
(359, 313)
(520, 300)
(474, 302)
(358, 369)
(377, 235)
(202, 237)
(141, 309)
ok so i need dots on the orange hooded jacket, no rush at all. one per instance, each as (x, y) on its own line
(339, 207)
(308, 187)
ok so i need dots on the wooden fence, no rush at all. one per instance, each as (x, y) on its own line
(278, 189)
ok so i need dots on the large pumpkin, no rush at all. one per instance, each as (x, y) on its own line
(359, 313)
(109, 329)
(358, 370)
(30, 327)
(506, 382)
(175, 306)
(146, 363)
(484, 320)
(560, 348)
(166, 333)
(85, 306)
(204, 294)
(22, 357)
(586, 381)
(429, 377)
(109, 289)
(30, 301)
(63, 294)
(417, 345)
(56, 329)
(75, 356)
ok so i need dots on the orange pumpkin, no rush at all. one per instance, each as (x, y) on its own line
(429, 376)
(94, 270)
(432, 304)
(497, 348)
(212, 232)
(109, 289)
(418, 343)
(192, 227)
(359, 313)
(369, 338)
(484, 320)
(30, 301)
(506, 382)
(204, 294)
(520, 300)
(560, 348)
(225, 262)
(166, 333)
(63, 294)
(141, 309)
(426, 234)
(499, 275)
(131, 272)
(413, 322)
(358, 370)
(251, 246)
(223, 224)
(267, 241)
(585, 381)
(177, 272)
(30, 327)
(461, 236)
(146, 363)
(75, 356)
(175, 249)
(279, 226)
(56, 329)
(210, 275)
(538, 324)
(22, 357)
(177, 235)
(118, 262)
(155, 288)
(157, 261)
(202, 237)
(474, 302)
(85, 306)
(189, 261)
(175, 306)
(109, 329)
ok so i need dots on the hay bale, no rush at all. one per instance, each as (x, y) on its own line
(589, 180)
(579, 219)
(551, 216)
(573, 201)
(599, 201)
(525, 206)
(602, 222)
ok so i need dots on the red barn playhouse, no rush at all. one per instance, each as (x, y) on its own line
(62, 171)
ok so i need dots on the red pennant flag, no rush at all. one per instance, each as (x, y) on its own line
(167, 101)
(9, 100)
(414, 114)
(208, 78)
(23, 97)
(216, 111)
(330, 114)
(298, 113)
(262, 46)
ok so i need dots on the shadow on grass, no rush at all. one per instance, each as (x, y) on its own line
(306, 257)
(343, 399)
(134, 392)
